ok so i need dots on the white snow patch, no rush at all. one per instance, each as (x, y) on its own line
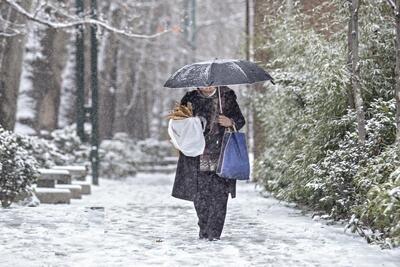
(136, 222)
(23, 129)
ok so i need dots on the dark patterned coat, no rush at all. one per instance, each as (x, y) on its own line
(185, 184)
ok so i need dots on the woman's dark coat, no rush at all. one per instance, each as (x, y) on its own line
(185, 184)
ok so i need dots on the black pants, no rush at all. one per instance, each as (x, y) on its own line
(210, 203)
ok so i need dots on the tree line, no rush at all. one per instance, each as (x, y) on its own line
(140, 45)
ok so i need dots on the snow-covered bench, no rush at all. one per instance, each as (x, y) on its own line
(49, 177)
(164, 162)
(53, 195)
(167, 169)
(85, 187)
(77, 172)
(51, 182)
(76, 190)
(171, 160)
(166, 165)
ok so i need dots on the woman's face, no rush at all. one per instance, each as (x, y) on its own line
(207, 90)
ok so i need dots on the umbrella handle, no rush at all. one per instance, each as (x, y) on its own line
(220, 102)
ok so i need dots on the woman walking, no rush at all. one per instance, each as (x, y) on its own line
(196, 179)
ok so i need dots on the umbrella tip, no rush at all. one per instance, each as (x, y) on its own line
(272, 81)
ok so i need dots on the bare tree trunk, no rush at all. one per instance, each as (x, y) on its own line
(259, 55)
(108, 58)
(247, 29)
(262, 9)
(135, 113)
(121, 94)
(67, 108)
(355, 73)
(397, 70)
(48, 78)
(350, 95)
(11, 54)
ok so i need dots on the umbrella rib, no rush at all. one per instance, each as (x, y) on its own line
(242, 71)
(209, 83)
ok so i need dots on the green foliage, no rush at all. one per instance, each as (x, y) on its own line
(60, 147)
(45, 152)
(18, 168)
(312, 154)
(68, 143)
(377, 186)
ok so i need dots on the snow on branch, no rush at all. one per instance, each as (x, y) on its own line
(391, 3)
(78, 21)
(11, 34)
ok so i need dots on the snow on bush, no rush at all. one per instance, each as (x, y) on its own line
(60, 147)
(119, 157)
(154, 149)
(18, 168)
(311, 149)
(69, 144)
(45, 152)
(377, 204)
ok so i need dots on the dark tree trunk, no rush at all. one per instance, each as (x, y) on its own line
(11, 54)
(355, 72)
(46, 80)
(262, 9)
(108, 79)
(350, 95)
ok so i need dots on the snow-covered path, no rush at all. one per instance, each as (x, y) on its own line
(138, 223)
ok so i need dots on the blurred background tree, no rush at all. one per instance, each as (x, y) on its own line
(37, 55)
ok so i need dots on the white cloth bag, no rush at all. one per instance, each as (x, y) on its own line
(187, 136)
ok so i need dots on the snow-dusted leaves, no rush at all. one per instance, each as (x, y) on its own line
(18, 168)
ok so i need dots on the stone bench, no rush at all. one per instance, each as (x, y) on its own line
(53, 195)
(85, 187)
(77, 172)
(76, 190)
(164, 162)
(157, 169)
(48, 177)
(171, 160)
(60, 179)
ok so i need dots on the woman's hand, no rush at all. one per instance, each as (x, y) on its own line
(224, 121)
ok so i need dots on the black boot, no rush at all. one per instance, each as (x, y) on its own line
(202, 235)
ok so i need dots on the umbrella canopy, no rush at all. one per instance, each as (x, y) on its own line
(218, 72)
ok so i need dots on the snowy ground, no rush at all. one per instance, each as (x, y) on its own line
(138, 223)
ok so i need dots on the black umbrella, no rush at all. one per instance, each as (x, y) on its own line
(217, 73)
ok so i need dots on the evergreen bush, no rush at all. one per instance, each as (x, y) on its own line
(18, 168)
(119, 157)
(312, 154)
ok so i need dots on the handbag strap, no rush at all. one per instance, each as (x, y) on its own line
(220, 107)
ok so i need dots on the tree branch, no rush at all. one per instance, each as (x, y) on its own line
(13, 34)
(391, 3)
(85, 21)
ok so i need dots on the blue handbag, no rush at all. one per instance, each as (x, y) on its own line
(233, 162)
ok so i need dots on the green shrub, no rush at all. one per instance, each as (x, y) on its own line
(119, 157)
(18, 168)
(311, 149)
